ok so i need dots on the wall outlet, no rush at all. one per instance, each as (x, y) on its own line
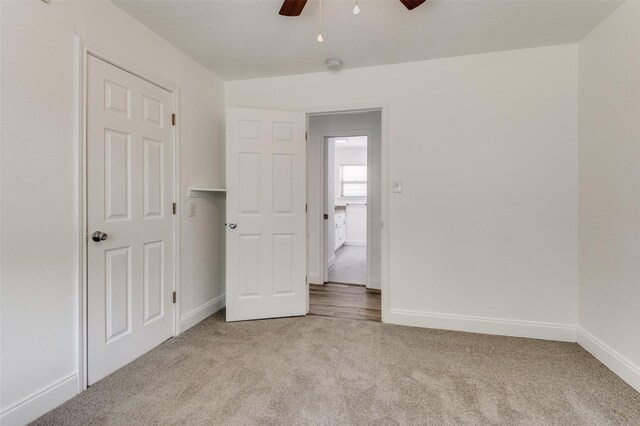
(397, 186)
(192, 208)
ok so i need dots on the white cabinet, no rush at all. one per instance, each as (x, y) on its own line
(356, 225)
(341, 229)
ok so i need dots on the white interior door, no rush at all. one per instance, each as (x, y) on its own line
(130, 268)
(266, 223)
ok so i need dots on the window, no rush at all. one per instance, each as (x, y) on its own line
(353, 180)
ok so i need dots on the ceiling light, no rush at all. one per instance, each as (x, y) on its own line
(320, 38)
(341, 141)
(356, 10)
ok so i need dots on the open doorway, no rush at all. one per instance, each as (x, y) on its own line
(344, 219)
(346, 183)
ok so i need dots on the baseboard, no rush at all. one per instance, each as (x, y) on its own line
(360, 243)
(193, 317)
(614, 361)
(375, 283)
(331, 261)
(497, 326)
(41, 402)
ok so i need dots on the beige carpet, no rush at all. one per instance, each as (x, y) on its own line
(330, 371)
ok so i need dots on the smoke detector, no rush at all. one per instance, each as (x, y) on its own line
(333, 64)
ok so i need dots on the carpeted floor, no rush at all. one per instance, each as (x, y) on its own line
(331, 371)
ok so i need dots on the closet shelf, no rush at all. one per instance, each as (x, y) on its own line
(199, 192)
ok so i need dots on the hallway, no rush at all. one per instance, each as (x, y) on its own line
(345, 301)
(350, 266)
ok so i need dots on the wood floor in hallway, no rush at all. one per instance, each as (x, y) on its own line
(345, 301)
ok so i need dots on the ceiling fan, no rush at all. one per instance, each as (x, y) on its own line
(294, 7)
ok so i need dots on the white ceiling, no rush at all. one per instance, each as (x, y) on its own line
(240, 39)
(351, 142)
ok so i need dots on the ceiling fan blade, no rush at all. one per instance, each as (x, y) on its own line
(292, 7)
(412, 4)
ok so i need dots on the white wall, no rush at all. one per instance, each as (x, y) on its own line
(319, 128)
(485, 235)
(610, 192)
(39, 175)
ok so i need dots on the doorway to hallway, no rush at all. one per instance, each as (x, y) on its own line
(344, 220)
(346, 196)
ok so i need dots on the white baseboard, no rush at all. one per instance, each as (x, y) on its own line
(614, 361)
(40, 402)
(193, 317)
(497, 326)
(359, 243)
(331, 261)
(375, 283)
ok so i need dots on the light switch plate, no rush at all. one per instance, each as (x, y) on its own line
(397, 186)
(192, 208)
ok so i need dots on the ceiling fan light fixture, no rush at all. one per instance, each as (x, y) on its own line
(320, 38)
(356, 9)
(333, 64)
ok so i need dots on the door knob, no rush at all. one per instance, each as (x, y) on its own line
(99, 236)
(233, 225)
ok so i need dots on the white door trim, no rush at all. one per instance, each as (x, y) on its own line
(83, 50)
(385, 183)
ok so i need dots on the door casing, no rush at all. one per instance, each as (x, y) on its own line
(83, 50)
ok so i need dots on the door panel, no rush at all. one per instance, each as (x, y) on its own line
(153, 280)
(118, 292)
(117, 98)
(266, 261)
(283, 183)
(118, 173)
(249, 172)
(130, 274)
(153, 182)
(249, 266)
(283, 258)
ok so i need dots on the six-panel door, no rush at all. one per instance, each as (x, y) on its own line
(130, 274)
(266, 232)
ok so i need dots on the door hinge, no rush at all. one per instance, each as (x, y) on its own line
(305, 136)
(175, 208)
(306, 208)
(174, 297)
(173, 119)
